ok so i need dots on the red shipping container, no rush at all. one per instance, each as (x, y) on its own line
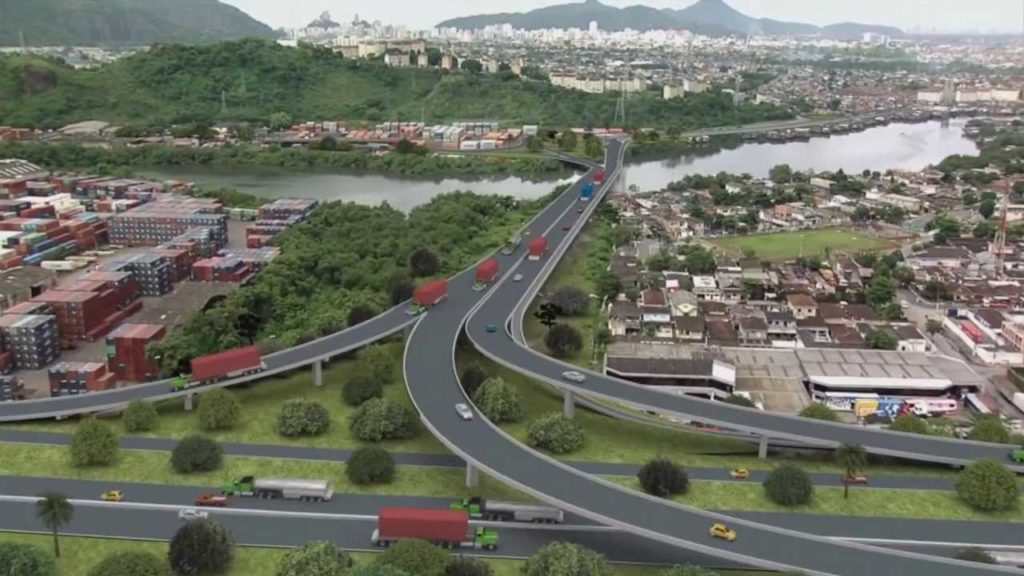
(431, 524)
(537, 247)
(10, 262)
(221, 364)
(487, 271)
(431, 293)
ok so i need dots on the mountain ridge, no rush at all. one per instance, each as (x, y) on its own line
(709, 17)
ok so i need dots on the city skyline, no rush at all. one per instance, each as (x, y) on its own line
(985, 16)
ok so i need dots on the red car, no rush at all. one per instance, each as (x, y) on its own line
(854, 479)
(567, 227)
(212, 500)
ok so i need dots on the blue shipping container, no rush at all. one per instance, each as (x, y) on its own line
(587, 192)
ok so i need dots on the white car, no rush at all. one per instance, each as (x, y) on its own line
(517, 278)
(464, 412)
(573, 376)
(192, 514)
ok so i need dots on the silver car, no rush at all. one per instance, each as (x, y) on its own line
(464, 412)
(573, 376)
(192, 514)
(517, 278)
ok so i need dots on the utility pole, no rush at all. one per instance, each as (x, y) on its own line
(223, 101)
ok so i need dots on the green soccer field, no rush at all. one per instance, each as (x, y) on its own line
(789, 245)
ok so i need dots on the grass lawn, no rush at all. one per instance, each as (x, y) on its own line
(921, 504)
(790, 245)
(154, 467)
(261, 402)
(79, 555)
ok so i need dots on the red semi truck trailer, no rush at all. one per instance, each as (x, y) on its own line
(448, 528)
(220, 366)
(486, 272)
(598, 176)
(428, 295)
(537, 247)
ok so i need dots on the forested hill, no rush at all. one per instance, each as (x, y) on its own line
(122, 22)
(257, 78)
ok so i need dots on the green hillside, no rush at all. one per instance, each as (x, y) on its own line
(122, 22)
(257, 78)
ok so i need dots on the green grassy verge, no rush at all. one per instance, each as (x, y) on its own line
(154, 467)
(873, 502)
(80, 554)
(261, 402)
(807, 243)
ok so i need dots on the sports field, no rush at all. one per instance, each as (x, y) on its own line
(789, 245)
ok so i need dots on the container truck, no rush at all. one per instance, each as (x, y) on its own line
(514, 511)
(221, 366)
(537, 247)
(486, 272)
(287, 488)
(512, 245)
(599, 176)
(447, 528)
(427, 296)
(587, 192)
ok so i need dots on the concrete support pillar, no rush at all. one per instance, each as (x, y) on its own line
(318, 373)
(472, 476)
(762, 448)
(188, 402)
(568, 404)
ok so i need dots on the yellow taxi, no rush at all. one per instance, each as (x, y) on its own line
(739, 473)
(112, 496)
(722, 531)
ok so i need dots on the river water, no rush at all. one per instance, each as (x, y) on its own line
(905, 146)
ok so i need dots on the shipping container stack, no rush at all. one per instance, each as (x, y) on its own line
(32, 340)
(153, 273)
(126, 352)
(10, 388)
(199, 242)
(34, 240)
(77, 314)
(73, 378)
(220, 269)
(89, 229)
(165, 218)
(275, 217)
(257, 258)
(180, 259)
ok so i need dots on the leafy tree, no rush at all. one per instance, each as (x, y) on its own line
(974, 555)
(788, 485)
(471, 66)
(593, 148)
(881, 340)
(781, 174)
(416, 557)
(376, 362)
(738, 400)
(984, 229)
(699, 261)
(139, 416)
(853, 458)
(987, 208)
(360, 313)
(94, 444)
(280, 121)
(969, 198)
(18, 559)
(468, 566)
(861, 214)
(933, 326)
(534, 144)
(302, 417)
(571, 300)
(381, 419)
(360, 388)
(376, 570)
(910, 423)
(218, 410)
(54, 511)
(370, 465)
(201, 546)
(988, 485)
(472, 377)
(423, 262)
(406, 146)
(819, 411)
(555, 433)
(945, 227)
(401, 290)
(196, 453)
(564, 341)
(566, 559)
(131, 563)
(567, 141)
(499, 401)
(317, 558)
(880, 291)
(891, 312)
(904, 275)
(547, 314)
(663, 478)
(989, 429)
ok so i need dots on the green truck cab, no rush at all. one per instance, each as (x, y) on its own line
(180, 383)
(484, 538)
(472, 506)
(1017, 455)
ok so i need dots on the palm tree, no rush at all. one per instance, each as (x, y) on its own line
(54, 511)
(852, 457)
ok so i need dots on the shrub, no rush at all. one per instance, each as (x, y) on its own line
(423, 262)
(663, 478)
(360, 313)
(563, 341)
(499, 401)
(376, 362)
(571, 300)
(416, 557)
(988, 485)
(370, 465)
(468, 566)
(974, 555)
(131, 564)
(738, 400)
(989, 429)
(316, 558)
(139, 416)
(376, 570)
(18, 559)
(565, 559)
(196, 453)
(201, 546)
(302, 417)
(555, 433)
(379, 419)
(94, 444)
(218, 410)
(788, 485)
(819, 411)
(361, 388)
(472, 377)
(912, 424)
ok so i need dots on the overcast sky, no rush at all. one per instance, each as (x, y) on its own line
(911, 15)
